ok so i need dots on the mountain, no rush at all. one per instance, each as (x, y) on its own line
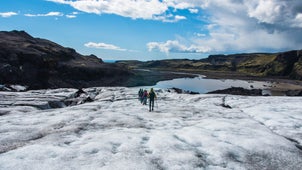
(284, 64)
(40, 63)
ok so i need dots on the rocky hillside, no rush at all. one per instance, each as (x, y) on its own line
(39, 63)
(284, 64)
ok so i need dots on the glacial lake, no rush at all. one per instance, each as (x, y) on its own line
(203, 85)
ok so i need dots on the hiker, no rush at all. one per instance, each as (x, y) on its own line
(145, 95)
(140, 95)
(151, 97)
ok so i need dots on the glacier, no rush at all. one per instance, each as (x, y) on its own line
(115, 131)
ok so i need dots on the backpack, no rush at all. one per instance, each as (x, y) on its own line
(152, 95)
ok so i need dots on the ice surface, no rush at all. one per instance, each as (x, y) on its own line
(116, 132)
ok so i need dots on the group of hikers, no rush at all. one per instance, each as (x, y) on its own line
(143, 95)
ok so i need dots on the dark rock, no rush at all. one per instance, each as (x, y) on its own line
(79, 97)
(79, 92)
(293, 93)
(181, 91)
(266, 94)
(177, 90)
(238, 91)
(39, 63)
(192, 92)
(226, 106)
(88, 99)
(56, 104)
(224, 103)
(298, 146)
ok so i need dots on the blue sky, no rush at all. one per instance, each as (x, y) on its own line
(159, 29)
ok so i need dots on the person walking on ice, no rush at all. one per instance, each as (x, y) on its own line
(145, 95)
(140, 95)
(151, 97)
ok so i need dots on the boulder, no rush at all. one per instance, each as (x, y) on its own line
(293, 93)
(238, 91)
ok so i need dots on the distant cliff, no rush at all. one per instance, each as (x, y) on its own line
(284, 64)
(39, 63)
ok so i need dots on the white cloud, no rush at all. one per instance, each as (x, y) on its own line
(57, 14)
(54, 14)
(103, 46)
(30, 15)
(267, 11)
(178, 18)
(176, 47)
(193, 10)
(276, 12)
(169, 18)
(145, 9)
(7, 14)
(135, 9)
(237, 25)
(71, 16)
(241, 26)
(179, 4)
(255, 25)
(298, 21)
(200, 34)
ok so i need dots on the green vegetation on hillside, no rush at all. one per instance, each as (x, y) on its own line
(286, 64)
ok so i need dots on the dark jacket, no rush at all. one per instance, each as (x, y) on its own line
(152, 95)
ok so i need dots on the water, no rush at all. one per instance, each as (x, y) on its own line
(203, 85)
(109, 61)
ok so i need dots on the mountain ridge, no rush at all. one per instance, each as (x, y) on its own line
(40, 63)
(283, 64)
